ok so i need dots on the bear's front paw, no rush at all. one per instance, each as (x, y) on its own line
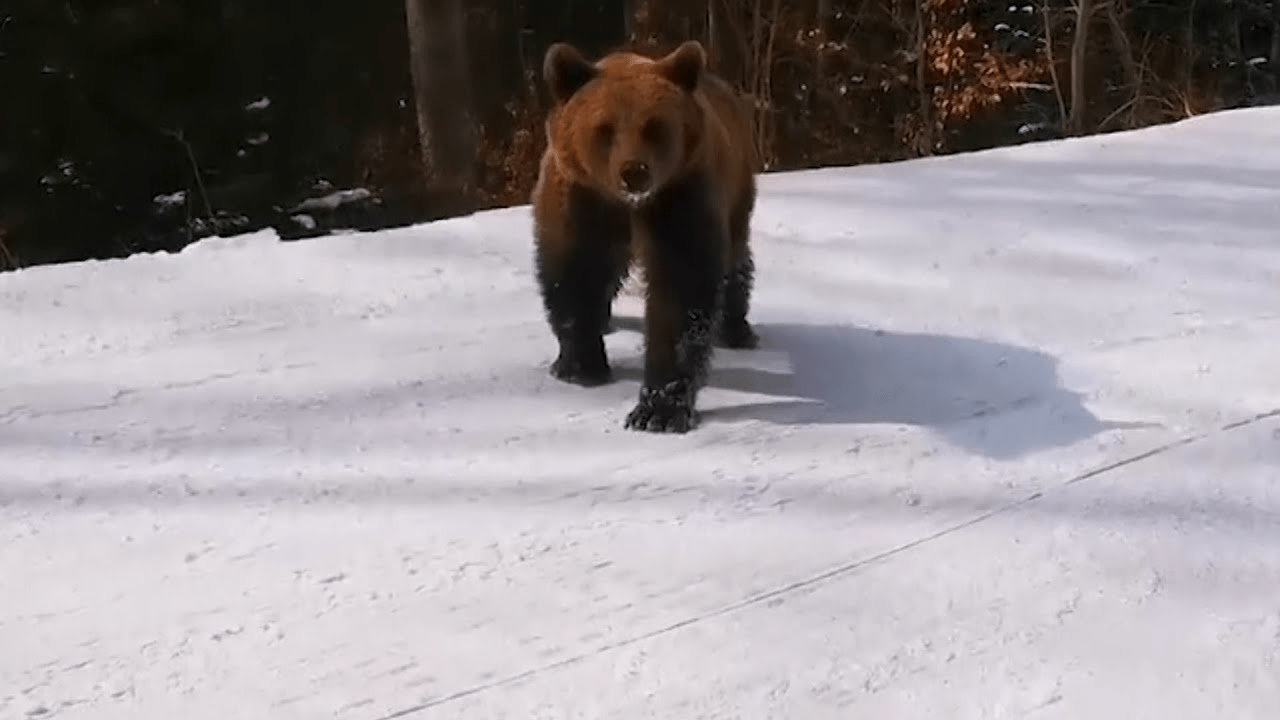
(665, 409)
(580, 371)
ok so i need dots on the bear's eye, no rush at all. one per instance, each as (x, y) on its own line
(604, 132)
(654, 131)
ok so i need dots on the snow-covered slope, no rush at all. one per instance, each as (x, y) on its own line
(1006, 452)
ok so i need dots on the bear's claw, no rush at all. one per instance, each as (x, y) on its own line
(666, 409)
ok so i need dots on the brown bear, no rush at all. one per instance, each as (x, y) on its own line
(649, 158)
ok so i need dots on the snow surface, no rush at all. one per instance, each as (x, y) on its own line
(1010, 450)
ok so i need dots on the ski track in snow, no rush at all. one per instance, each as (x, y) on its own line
(1010, 449)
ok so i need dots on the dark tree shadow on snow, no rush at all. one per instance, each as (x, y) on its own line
(990, 398)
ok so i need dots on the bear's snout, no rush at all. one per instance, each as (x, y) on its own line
(635, 176)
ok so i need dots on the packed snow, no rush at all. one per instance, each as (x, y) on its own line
(1010, 449)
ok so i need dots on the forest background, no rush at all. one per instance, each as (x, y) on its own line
(142, 125)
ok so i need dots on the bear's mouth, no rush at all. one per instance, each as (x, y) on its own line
(636, 199)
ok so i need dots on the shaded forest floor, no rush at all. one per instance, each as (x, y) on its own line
(148, 125)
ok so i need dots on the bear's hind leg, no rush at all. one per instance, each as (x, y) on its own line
(577, 273)
(735, 330)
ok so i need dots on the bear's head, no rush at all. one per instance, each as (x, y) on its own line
(626, 125)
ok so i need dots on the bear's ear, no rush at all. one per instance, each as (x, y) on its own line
(565, 71)
(684, 65)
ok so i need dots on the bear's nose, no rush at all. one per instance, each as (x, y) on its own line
(635, 176)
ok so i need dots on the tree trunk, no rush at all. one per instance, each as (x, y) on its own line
(1274, 65)
(725, 44)
(822, 22)
(1132, 72)
(629, 29)
(922, 81)
(1235, 20)
(1079, 51)
(824, 16)
(441, 89)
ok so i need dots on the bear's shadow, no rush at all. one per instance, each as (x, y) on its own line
(990, 398)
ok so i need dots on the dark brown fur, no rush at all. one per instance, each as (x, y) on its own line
(648, 159)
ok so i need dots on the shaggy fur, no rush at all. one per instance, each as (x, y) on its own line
(649, 160)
